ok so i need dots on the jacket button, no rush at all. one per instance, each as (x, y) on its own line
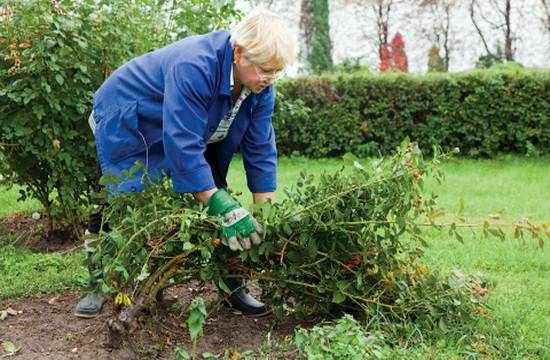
(212, 129)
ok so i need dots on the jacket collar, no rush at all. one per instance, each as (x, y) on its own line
(227, 73)
(227, 69)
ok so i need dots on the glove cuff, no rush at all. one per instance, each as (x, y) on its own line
(221, 203)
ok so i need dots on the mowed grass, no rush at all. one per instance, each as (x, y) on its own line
(510, 187)
(25, 273)
(9, 204)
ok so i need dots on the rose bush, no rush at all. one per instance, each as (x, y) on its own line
(348, 242)
(53, 56)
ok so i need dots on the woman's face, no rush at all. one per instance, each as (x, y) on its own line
(256, 77)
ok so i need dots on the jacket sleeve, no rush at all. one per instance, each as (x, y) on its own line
(258, 147)
(187, 93)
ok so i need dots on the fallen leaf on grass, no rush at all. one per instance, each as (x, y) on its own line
(479, 290)
(480, 347)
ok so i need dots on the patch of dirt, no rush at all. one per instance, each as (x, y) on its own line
(34, 235)
(47, 328)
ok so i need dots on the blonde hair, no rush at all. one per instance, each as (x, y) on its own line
(264, 37)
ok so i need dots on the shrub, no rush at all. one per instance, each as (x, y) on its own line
(484, 113)
(508, 65)
(54, 56)
(344, 242)
(352, 65)
(346, 339)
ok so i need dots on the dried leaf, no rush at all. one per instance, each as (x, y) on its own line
(10, 311)
(54, 300)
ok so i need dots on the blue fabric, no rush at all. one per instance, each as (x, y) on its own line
(162, 107)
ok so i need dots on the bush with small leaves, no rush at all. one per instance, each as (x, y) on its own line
(347, 242)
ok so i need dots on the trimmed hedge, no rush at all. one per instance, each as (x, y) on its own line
(484, 113)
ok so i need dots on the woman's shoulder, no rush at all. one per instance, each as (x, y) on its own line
(203, 51)
(211, 44)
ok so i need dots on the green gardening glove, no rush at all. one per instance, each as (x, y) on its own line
(239, 228)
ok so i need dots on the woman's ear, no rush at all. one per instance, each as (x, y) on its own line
(237, 53)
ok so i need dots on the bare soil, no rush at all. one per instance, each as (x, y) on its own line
(47, 329)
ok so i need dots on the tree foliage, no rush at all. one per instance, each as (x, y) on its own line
(316, 27)
(393, 56)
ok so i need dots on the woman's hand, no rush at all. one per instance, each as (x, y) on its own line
(239, 228)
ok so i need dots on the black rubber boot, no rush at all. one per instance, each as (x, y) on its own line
(91, 305)
(241, 300)
(94, 223)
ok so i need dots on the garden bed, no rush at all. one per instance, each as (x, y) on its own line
(47, 329)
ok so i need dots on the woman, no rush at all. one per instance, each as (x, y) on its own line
(184, 110)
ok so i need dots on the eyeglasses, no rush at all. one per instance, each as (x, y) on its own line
(266, 75)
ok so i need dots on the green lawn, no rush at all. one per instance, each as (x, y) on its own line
(511, 187)
(10, 205)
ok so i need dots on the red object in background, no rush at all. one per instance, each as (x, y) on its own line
(393, 56)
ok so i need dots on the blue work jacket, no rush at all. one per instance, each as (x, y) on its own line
(162, 107)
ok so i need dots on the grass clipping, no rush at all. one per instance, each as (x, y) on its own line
(347, 242)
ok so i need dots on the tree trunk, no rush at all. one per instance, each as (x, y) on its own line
(508, 50)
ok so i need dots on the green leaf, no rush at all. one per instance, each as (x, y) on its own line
(459, 237)
(224, 287)
(197, 317)
(181, 354)
(358, 165)
(11, 348)
(121, 269)
(59, 79)
(312, 248)
(443, 325)
(460, 207)
(254, 256)
(144, 274)
(293, 256)
(497, 233)
(287, 229)
(338, 297)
